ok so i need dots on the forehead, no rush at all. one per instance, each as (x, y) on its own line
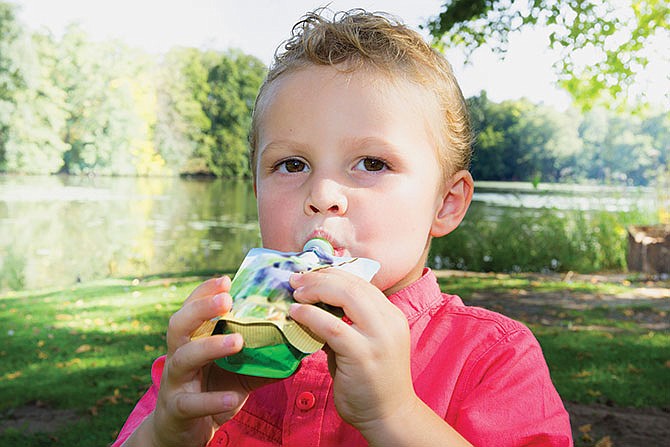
(362, 100)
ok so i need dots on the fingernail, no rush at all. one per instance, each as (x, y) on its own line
(231, 341)
(229, 401)
(220, 281)
(293, 308)
(217, 300)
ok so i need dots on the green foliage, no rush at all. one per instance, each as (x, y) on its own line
(537, 240)
(29, 119)
(111, 107)
(82, 107)
(206, 99)
(612, 36)
(182, 131)
(518, 140)
(629, 148)
(234, 82)
(33, 144)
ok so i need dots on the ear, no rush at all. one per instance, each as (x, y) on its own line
(456, 199)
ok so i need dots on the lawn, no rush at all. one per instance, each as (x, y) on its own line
(84, 352)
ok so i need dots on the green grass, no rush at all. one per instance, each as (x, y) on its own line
(89, 349)
(625, 368)
(603, 354)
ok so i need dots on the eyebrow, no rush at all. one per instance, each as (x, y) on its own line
(279, 145)
(361, 142)
(298, 148)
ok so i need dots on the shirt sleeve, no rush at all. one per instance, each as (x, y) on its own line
(145, 405)
(510, 399)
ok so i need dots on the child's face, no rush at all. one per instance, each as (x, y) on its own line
(350, 157)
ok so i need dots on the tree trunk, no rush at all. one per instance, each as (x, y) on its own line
(649, 249)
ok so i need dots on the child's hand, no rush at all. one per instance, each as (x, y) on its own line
(369, 358)
(195, 395)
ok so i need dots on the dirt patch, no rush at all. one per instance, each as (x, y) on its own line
(651, 300)
(597, 424)
(36, 417)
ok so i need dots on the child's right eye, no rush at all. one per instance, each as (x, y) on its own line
(291, 165)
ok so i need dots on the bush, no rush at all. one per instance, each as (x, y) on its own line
(536, 240)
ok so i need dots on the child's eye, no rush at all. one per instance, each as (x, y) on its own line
(371, 164)
(291, 165)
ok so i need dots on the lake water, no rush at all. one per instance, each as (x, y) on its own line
(57, 230)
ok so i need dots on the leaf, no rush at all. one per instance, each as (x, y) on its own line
(582, 374)
(584, 428)
(604, 442)
(83, 348)
(633, 369)
(14, 375)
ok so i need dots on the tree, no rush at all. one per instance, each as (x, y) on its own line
(623, 149)
(205, 103)
(183, 128)
(34, 142)
(110, 105)
(233, 84)
(31, 106)
(12, 72)
(615, 35)
(518, 140)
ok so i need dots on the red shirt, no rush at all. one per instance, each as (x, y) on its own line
(483, 373)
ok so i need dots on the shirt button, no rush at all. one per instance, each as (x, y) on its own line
(220, 439)
(305, 401)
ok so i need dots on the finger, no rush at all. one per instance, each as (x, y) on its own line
(362, 302)
(191, 357)
(339, 335)
(191, 315)
(210, 287)
(221, 405)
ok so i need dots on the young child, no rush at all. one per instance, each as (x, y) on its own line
(360, 136)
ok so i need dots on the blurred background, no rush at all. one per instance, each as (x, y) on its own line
(123, 132)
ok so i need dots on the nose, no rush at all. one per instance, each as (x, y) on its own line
(326, 197)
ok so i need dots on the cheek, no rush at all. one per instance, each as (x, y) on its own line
(409, 211)
(276, 220)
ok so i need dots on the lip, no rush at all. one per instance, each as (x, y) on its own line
(337, 246)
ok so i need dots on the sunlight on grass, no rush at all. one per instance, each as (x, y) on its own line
(89, 348)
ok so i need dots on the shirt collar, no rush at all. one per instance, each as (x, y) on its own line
(418, 297)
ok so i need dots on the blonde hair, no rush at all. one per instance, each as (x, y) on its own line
(358, 39)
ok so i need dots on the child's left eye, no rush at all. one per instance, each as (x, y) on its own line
(371, 165)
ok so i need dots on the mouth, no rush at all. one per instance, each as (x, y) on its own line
(339, 250)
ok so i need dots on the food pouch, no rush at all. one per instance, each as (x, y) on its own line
(274, 344)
